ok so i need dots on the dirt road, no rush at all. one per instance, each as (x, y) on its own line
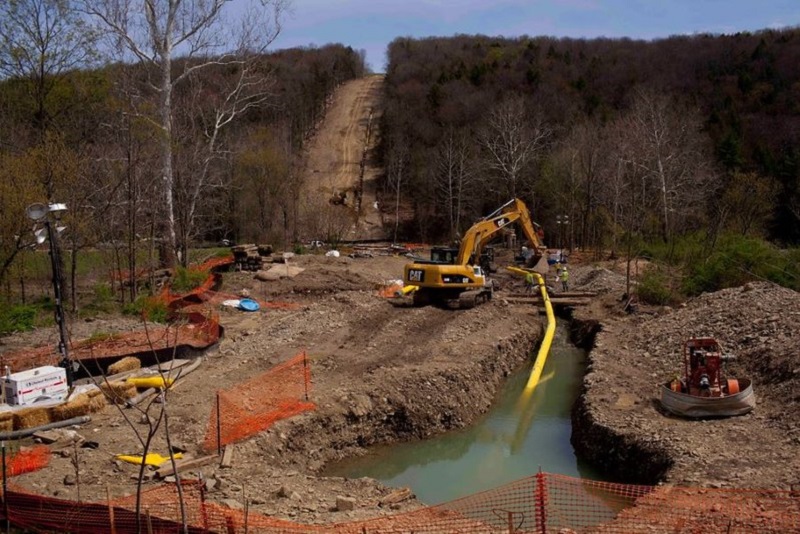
(332, 169)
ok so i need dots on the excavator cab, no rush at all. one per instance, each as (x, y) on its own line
(444, 255)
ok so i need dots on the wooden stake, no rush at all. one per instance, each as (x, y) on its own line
(110, 511)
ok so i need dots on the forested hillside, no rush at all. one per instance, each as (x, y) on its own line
(90, 138)
(626, 139)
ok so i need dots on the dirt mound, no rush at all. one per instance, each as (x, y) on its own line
(634, 355)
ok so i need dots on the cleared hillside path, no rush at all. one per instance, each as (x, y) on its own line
(333, 161)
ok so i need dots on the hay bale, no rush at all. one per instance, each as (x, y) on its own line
(6, 421)
(32, 417)
(128, 363)
(74, 408)
(118, 391)
(97, 403)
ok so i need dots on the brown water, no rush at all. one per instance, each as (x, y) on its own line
(517, 437)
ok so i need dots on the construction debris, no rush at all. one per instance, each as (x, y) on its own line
(403, 494)
(227, 456)
(250, 257)
(185, 465)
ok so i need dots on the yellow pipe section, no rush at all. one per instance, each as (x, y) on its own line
(408, 289)
(544, 348)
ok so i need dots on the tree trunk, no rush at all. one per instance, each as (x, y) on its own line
(168, 248)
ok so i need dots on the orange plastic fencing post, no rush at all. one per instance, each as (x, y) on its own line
(541, 502)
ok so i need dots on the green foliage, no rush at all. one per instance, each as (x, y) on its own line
(739, 259)
(149, 308)
(19, 318)
(680, 251)
(654, 287)
(299, 248)
(102, 301)
(187, 279)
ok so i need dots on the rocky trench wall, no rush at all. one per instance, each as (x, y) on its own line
(401, 404)
(618, 456)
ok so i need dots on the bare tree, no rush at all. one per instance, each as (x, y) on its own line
(512, 140)
(156, 32)
(41, 41)
(454, 174)
(203, 116)
(748, 201)
(396, 174)
(589, 156)
(666, 144)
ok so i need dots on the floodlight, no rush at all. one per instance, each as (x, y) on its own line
(37, 211)
(60, 229)
(56, 209)
(41, 236)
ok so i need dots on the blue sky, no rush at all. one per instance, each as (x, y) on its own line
(372, 24)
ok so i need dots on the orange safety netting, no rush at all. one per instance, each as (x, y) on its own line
(389, 291)
(253, 406)
(537, 504)
(190, 327)
(28, 460)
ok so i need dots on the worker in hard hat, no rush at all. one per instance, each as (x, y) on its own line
(564, 278)
(528, 282)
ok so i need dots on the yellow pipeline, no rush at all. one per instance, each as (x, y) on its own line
(544, 348)
(408, 289)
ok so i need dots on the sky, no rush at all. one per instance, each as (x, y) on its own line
(372, 24)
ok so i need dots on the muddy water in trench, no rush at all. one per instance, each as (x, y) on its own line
(517, 436)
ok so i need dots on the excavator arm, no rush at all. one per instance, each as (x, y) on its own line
(483, 231)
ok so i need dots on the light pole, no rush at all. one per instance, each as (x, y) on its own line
(40, 213)
(562, 221)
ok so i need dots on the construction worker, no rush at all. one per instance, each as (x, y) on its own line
(565, 278)
(528, 282)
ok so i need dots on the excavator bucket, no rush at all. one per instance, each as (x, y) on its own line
(540, 266)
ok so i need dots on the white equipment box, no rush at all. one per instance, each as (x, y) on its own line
(42, 383)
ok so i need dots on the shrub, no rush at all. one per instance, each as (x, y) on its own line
(18, 318)
(653, 287)
(150, 308)
(736, 260)
(102, 301)
(187, 279)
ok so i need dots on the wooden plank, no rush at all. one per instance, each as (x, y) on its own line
(185, 465)
(556, 301)
(403, 494)
(227, 456)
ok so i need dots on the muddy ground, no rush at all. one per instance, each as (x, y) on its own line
(383, 372)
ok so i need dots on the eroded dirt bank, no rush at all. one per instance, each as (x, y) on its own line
(619, 424)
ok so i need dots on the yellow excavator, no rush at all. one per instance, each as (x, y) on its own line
(460, 278)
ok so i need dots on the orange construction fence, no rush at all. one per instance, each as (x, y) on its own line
(543, 503)
(190, 326)
(253, 406)
(27, 460)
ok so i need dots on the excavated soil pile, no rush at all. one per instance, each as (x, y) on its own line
(620, 423)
